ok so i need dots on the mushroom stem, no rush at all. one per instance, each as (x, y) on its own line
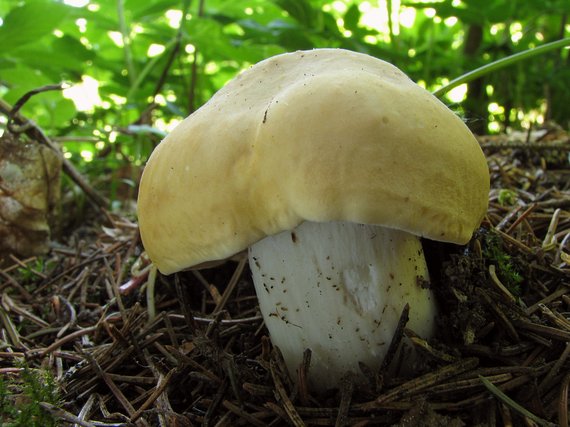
(338, 288)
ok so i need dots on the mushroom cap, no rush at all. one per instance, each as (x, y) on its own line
(320, 135)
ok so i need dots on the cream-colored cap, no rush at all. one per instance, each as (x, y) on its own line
(320, 135)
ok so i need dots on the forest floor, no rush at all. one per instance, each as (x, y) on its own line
(83, 344)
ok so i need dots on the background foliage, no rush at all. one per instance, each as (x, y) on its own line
(139, 66)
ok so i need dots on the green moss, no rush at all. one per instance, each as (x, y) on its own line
(507, 271)
(20, 399)
(27, 275)
(507, 197)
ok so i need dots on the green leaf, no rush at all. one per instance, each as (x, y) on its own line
(23, 80)
(60, 59)
(301, 10)
(142, 9)
(73, 48)
(352, 17)
(208, 36)
(29, 22)
(63, 112)
(294, 39)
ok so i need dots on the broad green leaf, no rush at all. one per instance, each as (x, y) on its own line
(23, 79)
(293, 39)
(352, 17)
(140, 10)
(64, 58)
(208, 36)
(60, 113)
(30, 22)
(300, 10)
(73, 48)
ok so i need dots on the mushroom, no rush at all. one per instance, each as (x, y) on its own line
(329, 165)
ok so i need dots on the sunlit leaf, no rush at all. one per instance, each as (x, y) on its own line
(29, 22)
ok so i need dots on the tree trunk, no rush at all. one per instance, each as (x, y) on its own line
(475, 105)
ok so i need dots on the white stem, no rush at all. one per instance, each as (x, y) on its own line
(339, 288)
(151, 307)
